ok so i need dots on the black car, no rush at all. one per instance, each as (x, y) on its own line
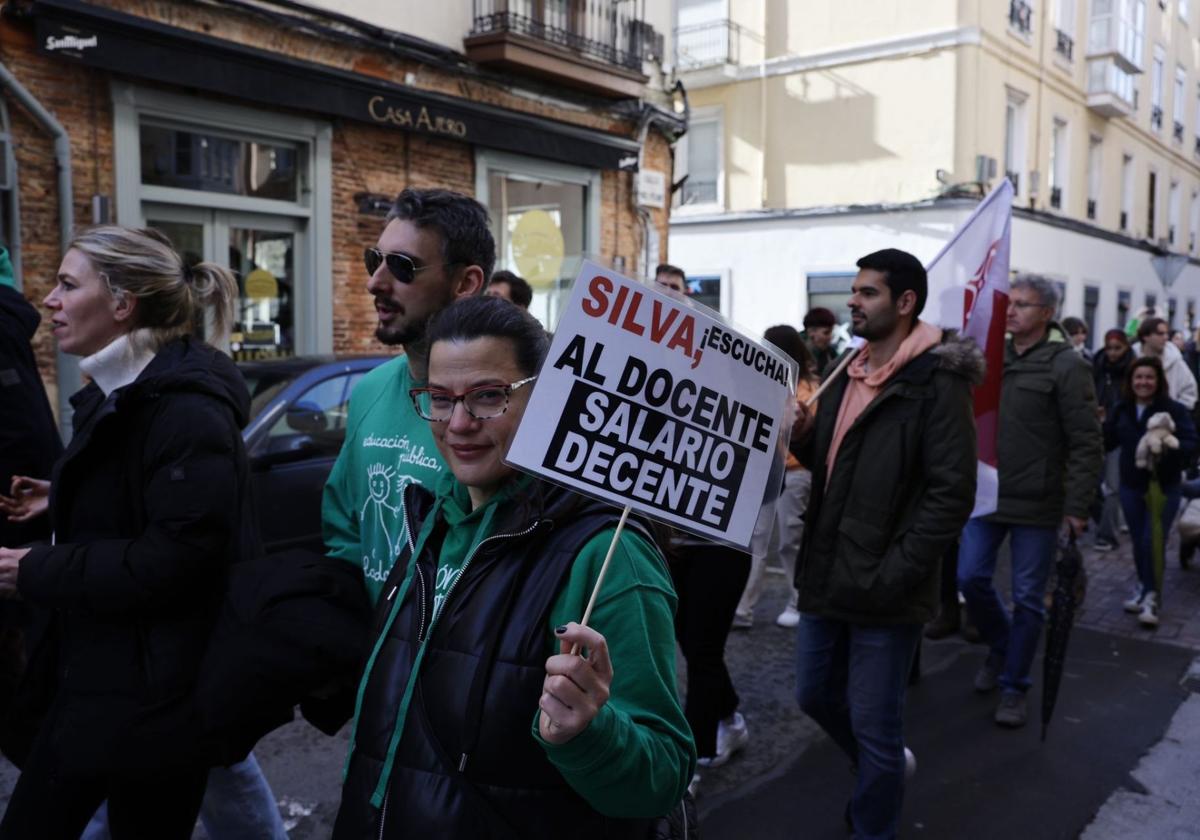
(298, 410)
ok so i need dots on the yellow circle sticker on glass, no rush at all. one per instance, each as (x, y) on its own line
(537, 245)
(261, 285)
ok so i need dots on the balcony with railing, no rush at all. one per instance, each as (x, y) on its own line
(1177, 132)
(1091, 209)
(1196, 147)
(721, 45)
(1020, 17)
(595, 45)
(1056, 198)
(1064, 45)
(1015, 178)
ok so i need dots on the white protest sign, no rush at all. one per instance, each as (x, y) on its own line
(654, 403)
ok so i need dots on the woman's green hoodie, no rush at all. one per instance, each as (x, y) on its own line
(637, 756)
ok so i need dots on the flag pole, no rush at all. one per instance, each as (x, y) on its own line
(846, 359)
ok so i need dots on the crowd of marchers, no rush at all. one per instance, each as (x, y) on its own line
(148, 642)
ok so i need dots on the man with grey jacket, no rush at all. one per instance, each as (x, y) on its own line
(1049, 450)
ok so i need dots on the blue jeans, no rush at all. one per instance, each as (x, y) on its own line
(1014, 641)
(238, 805)
(851, 680)
(1133, 502)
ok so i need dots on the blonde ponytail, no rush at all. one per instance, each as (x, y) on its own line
(172, 299)
(214, 291)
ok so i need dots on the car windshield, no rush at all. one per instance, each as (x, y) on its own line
(263, 385)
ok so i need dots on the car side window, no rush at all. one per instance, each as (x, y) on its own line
(318, 414)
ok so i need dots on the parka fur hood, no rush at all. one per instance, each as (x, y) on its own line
(959, 354)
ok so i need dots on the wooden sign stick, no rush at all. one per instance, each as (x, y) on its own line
(612, 548)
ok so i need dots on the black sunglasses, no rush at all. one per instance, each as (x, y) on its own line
(399, 266)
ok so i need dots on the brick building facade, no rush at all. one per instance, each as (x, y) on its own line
(175, 110)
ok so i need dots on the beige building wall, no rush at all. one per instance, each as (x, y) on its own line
(864, 103)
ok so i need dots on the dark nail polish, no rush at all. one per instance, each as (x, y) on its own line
(560, 630)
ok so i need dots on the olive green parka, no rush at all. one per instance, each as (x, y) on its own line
(1049, 446)
(900, 491)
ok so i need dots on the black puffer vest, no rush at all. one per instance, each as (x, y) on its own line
(467, 765)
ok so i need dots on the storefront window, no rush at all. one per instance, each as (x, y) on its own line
(541, 227)
(194, 160)
(263, 261)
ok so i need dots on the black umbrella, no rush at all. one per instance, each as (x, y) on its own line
(1068, 592)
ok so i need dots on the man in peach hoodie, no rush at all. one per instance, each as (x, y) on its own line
(893, 453)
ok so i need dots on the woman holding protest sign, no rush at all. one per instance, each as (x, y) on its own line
(474, 716)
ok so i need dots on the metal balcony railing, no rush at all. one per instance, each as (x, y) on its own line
(599, 29)
(1091, 209)
(1015, 177)
(1124, 220)
(1156, 118)
(1056, 197)
(1196, 147)
(1177, 132)
(1020, 16)
(1064, 44)
(708, 44)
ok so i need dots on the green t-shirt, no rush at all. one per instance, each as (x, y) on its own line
(388, 446)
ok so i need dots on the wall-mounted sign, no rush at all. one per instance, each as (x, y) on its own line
(651, 189)
(136, 46)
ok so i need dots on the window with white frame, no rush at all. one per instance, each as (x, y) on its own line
(1177, 104)
(1156, 90)
(1151, 203)
(1014, 138)
(1064, 35)
(1138, 35)
(1095, 160)
(701, 152)
(1126, 192)
(1196, 126)
(1172, 212)
(1183, 10)
(1058, 163)
(1020, 17)
(1194, 223)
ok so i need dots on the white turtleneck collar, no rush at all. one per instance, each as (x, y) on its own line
(119, 363)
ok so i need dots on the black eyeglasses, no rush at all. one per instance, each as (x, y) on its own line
(399, 266)
(482, 403)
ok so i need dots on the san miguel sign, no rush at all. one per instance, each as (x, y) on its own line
(122, 43)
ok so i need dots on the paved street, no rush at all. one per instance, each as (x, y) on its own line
(1121, 759)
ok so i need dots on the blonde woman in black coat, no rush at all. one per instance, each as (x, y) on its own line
(147, 505)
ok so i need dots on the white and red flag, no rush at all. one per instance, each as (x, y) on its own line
(968, 291)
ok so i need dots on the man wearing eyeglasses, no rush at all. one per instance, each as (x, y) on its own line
(1049, 453)
(435, 249)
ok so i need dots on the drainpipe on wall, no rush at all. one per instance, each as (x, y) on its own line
(67, 367)
(676, 126)
(12, 201)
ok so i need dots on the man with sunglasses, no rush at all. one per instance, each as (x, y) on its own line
(435, 249)
(1049, 454)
